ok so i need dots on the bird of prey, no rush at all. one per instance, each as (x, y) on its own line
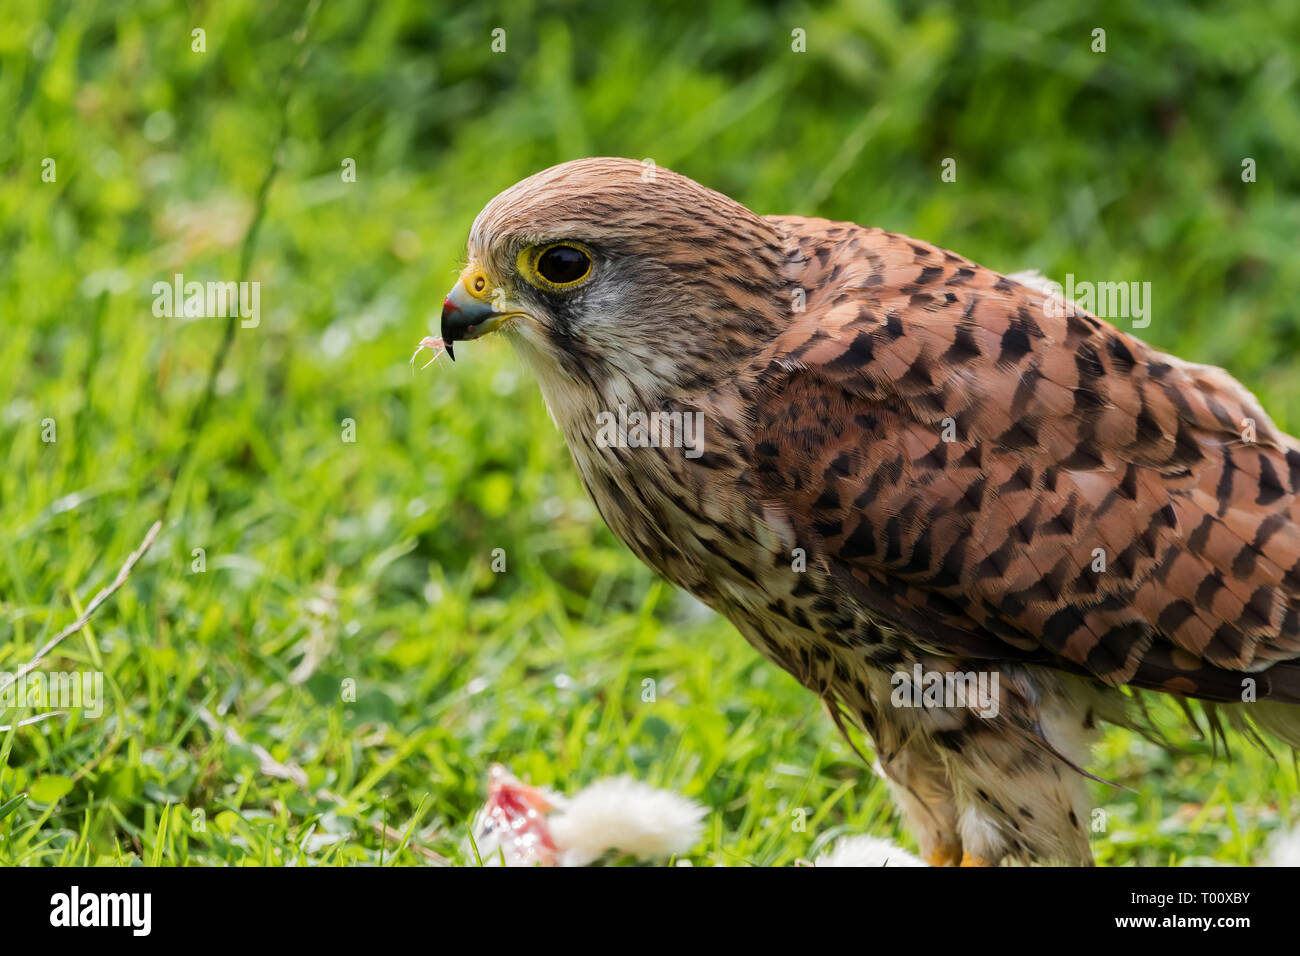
(911, 474)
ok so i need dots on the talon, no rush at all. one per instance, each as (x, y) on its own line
(968, 860)
(944, 856)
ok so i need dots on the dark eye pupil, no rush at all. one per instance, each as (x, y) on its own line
(561, 264)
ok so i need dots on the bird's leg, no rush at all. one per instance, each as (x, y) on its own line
(918, 783)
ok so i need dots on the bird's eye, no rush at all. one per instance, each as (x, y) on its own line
(562, 265)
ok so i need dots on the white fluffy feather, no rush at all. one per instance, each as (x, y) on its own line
(626, 815)
(866, 851)
(1285, 849)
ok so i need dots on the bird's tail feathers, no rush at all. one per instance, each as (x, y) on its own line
(1264, 723)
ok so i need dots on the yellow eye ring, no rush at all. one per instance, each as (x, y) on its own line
(557, 266)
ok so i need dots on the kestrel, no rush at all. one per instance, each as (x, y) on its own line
(961, 511)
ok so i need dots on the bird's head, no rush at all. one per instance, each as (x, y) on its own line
(599, 268)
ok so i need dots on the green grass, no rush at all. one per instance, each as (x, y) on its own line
(367, 564)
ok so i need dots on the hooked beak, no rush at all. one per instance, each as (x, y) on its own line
(468, 312)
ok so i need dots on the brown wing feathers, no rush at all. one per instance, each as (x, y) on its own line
(971, 456)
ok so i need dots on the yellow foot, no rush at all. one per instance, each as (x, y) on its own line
(944, 856)
(968, 860)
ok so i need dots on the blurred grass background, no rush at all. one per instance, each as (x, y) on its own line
(369, 562)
